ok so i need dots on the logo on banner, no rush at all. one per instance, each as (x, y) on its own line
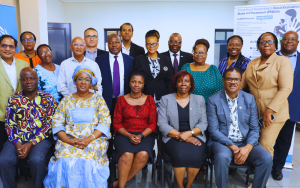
(3, 31)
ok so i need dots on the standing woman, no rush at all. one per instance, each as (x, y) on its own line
(234, 55)
(47, 72)
(157, 68)
(208, 79)
(29, 55)
(270, 80)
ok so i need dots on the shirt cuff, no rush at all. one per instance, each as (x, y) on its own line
(55, 130)
(104, 129)
(14, 142)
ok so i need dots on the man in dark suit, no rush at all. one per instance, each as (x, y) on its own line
(289, 44)
(91, 40)
(178, 57)
(128, 47)
(234, 131)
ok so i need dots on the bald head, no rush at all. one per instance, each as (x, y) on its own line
(29, 80)
(175, 35)
(289, 43)
(114, 44)
(78, 47)
(175, 42)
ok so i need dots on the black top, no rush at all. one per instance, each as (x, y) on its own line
(184, 58)
(136, 50)
(184, 117)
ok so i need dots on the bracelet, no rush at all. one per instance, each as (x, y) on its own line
(93, 136)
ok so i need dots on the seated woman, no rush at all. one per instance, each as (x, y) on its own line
(182, 121)
(134, 124)
(81, 126)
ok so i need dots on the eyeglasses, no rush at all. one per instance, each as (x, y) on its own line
(46, 53)
(26, 40)
(236, 80)
(26, 79)
(236, 45)
(287, 39)
(263, 42)
(153, 44)
(4, 46)
(80, 79)
(91, 36)
(173, 42)
(78, 45)
(200, 53)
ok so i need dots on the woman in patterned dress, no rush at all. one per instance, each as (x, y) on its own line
(81, 126)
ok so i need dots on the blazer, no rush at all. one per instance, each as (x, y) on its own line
(294, 102)
(271, 84)
(162, 84)
(136, 50)
(219, 118)
(99, 52)
(107, 85)
(184, 58)
(6, 89)
(168, 117)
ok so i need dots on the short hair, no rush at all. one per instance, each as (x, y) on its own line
(38, 48)
(90, 28)
(231, 70)
(127, 23)
(135, 72)
(9, 36)
(21, 36)
(152, 33)
(203, 42)
(180, 75)
(274, 36)
(239, 62)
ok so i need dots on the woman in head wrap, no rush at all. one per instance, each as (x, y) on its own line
(81, 126)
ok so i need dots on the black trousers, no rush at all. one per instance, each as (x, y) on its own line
(283, 144)
(111, 141)
(3, 135)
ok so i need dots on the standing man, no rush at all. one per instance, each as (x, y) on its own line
(28, 123)
(65, 84)
(178, 57)
(128, 47)
(289, 44)
(10, 68)
(115, 67)
(91, 39)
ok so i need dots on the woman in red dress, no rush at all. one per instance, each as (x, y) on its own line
(135, 121)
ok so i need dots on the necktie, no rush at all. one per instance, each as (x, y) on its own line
(116, 78)
(175, 64)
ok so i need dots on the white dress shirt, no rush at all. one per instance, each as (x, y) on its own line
(172, 57)
(124, 50)
(121, 70)
(11, 71)
(65, 84)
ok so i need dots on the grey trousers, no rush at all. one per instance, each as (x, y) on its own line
(36, 160)
(258, 157)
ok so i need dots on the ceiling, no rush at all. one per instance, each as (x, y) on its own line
(101, 1)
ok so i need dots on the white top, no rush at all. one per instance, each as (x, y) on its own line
(172, 57)
(121, 70)
(124, 50)
(11, 71)
(65, 84)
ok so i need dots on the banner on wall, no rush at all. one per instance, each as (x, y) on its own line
(8, 21)
(253, 20)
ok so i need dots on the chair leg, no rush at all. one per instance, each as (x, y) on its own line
(162, 173)
(154, 172)
(206, 174)
(211, 174)
(247, 178)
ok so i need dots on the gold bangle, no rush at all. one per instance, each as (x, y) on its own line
(93, 136)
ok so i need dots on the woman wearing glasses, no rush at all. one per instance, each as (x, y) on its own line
(47, 72)
(270, 80)
(157, 68)
(208, 79)
(234, 55)
(29, 55)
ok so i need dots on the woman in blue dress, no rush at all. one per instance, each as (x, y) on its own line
(47, 72)
(81, 126)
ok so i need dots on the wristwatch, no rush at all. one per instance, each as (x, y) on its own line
(142, 135)
(192, 132)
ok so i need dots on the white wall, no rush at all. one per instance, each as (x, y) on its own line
(193, 20)
(56, 11)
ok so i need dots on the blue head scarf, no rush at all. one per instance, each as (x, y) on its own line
(86, 69)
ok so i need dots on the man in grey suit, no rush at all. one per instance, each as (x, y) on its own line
(234, 131)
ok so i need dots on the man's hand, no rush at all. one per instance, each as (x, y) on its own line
(24, 150)
(18, 148)
(243, 154)
(184, 136)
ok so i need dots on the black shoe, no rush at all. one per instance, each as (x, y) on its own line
(277, 174)
(232, 171)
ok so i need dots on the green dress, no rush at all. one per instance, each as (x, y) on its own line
(207, 83)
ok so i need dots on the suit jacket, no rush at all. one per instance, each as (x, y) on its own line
(107, 85)
(168, 117)
(219, 118)
(162, 84)
(294, 102)
(184, 58)
(271, 84)
(6, 89)
(136, 50)
(99, 52)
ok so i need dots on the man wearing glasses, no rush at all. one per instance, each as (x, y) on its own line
(10, 68)
(178, 57)
(65, 84)
(91, 39)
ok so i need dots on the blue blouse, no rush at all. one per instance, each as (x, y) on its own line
(223, 65)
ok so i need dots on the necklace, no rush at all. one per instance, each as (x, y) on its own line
(232, 60)
(28, 55)
(135, 97)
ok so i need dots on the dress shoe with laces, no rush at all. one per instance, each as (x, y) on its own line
(277, 174)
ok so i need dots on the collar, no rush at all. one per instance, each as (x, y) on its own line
(38, 93)
(292, 55)
(113, 55)
(83, 60)
(14, 61)
(88, 51)
(172, 53)
(227, 97)
(124, 46)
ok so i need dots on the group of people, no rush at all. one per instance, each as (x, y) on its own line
(96, 101)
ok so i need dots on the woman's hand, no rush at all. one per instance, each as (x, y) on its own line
(194, 141)
(184, 136)
(134, 139)
(74, 142)
(267, 119)
(84, 142)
